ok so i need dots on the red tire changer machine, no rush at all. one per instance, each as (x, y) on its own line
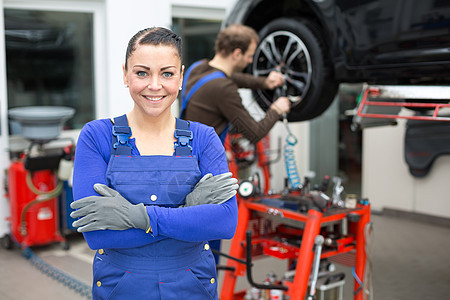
(35, 176)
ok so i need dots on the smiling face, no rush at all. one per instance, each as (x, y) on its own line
(154, 76)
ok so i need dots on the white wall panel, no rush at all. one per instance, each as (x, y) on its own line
(4, 140)
(123, 20)
(386, 180)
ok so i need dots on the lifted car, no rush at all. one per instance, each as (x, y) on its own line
(318, 44)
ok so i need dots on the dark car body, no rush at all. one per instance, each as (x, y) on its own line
(374, 41)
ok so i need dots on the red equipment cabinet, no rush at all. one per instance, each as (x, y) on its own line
(251, 213)
(34, 218)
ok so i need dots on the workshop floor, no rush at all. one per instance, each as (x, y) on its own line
(411, 260)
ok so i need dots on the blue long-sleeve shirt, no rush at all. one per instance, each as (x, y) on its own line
(194, 223)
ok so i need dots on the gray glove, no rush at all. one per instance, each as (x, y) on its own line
(213, 190)
(109, 211)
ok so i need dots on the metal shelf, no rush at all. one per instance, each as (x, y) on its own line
(382, 104)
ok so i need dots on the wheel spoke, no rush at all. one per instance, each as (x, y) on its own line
(263, 72)
(295, 74)
(273, 46)
(299, 85)
(294, 55)
(289, 45)
(269, 54)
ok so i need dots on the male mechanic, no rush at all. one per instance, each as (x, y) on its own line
(210, 90)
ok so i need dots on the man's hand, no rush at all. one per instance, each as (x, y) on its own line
(275, 79)
(282, 105)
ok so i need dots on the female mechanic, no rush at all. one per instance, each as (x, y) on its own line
(151, 189)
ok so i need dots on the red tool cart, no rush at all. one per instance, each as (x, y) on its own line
(293, 226)
(291, 234)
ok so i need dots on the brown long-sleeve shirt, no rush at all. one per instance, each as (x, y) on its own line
(218, 103)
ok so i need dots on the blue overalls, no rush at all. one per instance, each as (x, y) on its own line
(166, 269)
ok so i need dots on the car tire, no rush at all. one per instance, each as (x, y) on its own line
(296, 49)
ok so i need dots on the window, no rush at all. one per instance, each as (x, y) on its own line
(49, 61)
(198, 38)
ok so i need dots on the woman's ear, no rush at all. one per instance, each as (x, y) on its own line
(125, 79)
(181, 77)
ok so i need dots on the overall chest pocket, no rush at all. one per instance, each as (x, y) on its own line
(160, 180)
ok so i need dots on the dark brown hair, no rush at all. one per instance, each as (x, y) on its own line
(235, 36)
(154, 36)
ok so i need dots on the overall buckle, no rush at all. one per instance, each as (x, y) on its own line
(184, 137)
(122, 133)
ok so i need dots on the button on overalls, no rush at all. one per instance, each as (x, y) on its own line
(166, 269)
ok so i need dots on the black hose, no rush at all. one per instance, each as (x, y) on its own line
(249, 269)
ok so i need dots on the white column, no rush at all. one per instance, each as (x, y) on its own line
(4, 140)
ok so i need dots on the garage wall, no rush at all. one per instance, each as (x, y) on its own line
(386, 180)
(125, 19)
(122, 21)
(4, 141)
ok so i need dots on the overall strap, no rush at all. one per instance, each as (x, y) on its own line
(120, 135)
(186, 76)
(223, 134)
(184, 137)
(185, 98)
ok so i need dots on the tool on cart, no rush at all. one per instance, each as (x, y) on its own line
(318, 242)
(250, 187)
(289, 158)
(288, 149)
(337, 191)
